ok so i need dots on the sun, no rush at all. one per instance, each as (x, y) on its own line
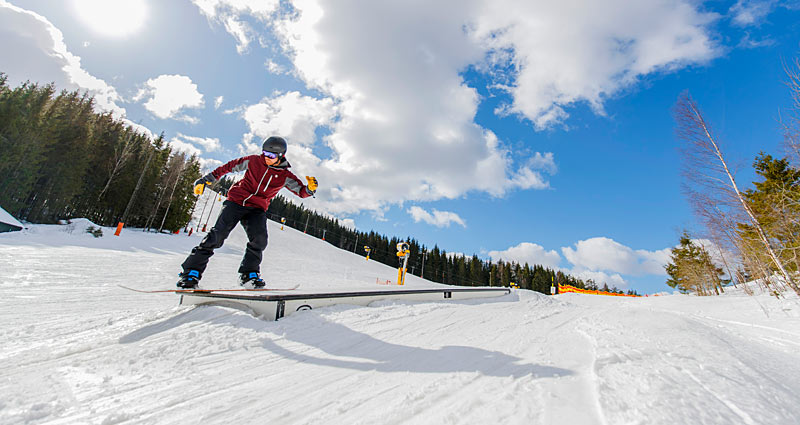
(114, 18)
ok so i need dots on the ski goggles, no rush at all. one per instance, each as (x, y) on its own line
(270, 155)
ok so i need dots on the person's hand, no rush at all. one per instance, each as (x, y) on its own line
(200, 184)
(312, 183)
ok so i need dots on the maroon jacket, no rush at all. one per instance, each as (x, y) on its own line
(260, 182)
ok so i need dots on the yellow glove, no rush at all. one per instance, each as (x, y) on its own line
(200, 184)
(312, 183)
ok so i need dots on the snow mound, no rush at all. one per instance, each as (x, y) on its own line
(5, 217)
(79, 227)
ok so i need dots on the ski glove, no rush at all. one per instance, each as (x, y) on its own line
(312, 183)
(200, 184)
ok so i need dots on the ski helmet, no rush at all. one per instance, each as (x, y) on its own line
(275, 144)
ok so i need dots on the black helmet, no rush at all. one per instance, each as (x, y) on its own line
(275, 145)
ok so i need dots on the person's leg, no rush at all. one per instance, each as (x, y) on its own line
(228, 217)
(255, 224)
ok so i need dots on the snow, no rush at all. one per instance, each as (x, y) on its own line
(7, 218)
(78, 349)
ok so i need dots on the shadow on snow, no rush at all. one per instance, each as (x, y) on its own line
(336, 340)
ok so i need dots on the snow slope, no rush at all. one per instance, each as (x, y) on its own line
(77, 349)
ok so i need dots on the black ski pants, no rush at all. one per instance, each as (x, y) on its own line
(254, 221)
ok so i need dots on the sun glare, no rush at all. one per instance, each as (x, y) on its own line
(115, 18)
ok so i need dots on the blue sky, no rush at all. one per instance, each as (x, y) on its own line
(537, 133)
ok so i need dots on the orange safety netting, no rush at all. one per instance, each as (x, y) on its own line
(563, 289)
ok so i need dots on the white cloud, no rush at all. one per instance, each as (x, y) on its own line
(347, 222)
(531, 175)
(139, 128)
(405, 126)
(275, 68)
(33, 49)
(749, 43)
(530, 253)
(601, 278)
(584, 51)
(601, 259)
(240, 31)
(543, 162)
(168, 95)
(604, 254)
(207, 165)
(230, 14)
(436, 218)
(218, 102)
(289, 115)
(456, 254)
(209, 144)
(179, 145)
(751, 12)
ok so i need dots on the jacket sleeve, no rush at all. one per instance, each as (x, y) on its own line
(238, 164)
(296, 186)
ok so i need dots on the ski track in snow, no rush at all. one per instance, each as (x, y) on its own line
(77, 349)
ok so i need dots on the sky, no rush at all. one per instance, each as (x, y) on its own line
(538, 132)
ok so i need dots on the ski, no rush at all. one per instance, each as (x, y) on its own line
(201, 291)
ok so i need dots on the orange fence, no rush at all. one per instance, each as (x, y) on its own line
(563, 289)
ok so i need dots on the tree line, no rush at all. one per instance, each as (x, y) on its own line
(434, 264)
(753, 234)
(59, 159)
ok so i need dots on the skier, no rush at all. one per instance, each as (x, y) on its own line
(246, 203)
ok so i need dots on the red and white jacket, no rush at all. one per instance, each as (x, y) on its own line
(261, 182)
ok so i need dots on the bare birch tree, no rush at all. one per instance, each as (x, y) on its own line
(174, 169)
(122, 153)
(711, 185)
(174, 186)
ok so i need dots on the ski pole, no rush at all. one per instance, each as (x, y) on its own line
(202, 212)
(209, 213)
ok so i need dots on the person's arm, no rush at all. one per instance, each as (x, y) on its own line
(238, 164)
(297, 187)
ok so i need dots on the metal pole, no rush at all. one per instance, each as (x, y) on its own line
(200, 222)
(307, 219)
(186, 228)
(405, 263)
(210, 211)
(356, 245)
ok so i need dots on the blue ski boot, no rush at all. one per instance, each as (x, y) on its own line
(189, 279)
(251, 280)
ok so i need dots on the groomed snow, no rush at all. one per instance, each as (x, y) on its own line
(78, 349)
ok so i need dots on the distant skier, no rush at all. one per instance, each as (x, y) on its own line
(247, 202)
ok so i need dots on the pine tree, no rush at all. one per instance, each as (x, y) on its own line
(691, 269)
(775, 201)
